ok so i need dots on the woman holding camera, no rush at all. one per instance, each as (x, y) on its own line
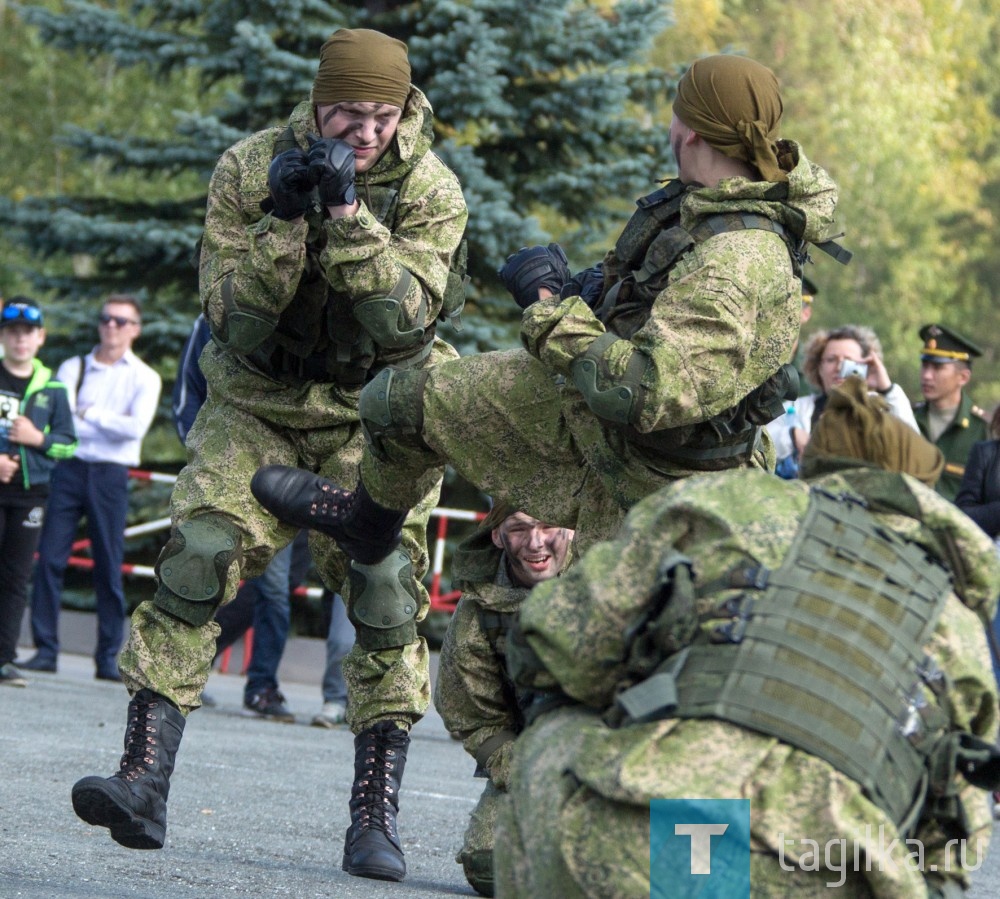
(831, 356)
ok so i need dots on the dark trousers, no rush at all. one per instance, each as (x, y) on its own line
(20, 528)
(99, 491)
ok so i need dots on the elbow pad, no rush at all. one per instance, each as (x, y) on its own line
(618, 402)
(379, 316)
(242, 331)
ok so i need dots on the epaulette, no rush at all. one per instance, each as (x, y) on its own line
(980, 412)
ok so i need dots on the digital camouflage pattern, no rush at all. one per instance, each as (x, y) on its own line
(473, 693)
(254, 417)
(577, 823)
(515, 426)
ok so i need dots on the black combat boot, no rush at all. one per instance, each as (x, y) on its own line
(371, 847)
(364, 530)
(132, 803)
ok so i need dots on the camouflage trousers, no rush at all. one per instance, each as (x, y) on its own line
(556, 836)
(476, 855)
(511, 427)
(247, 421)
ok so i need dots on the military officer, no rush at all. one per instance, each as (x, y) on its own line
(948, 417)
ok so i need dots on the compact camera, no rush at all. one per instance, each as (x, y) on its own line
(849, 367)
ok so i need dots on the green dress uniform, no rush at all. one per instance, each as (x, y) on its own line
(577, 819)
(968, 427)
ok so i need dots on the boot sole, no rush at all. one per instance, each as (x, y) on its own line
(97, 807)
(371, 872)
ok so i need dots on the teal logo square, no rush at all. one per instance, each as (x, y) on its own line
(699, 849)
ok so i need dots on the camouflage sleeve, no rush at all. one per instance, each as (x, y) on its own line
(249, 261)
(364, 259)
(725, 322)
(469, 691)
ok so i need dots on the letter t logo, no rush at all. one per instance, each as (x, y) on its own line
(701, 843)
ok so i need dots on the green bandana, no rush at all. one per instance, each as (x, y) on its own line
(362, 65)
(734, 104)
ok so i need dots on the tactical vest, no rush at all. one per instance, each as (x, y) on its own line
(319, 336)
(645, 254)
(825, 653)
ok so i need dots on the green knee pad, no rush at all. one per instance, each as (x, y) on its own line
(392, 405)
(478, 867)
(194, 567)
(384, 602)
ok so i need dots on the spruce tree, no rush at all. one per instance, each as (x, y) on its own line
(546, 112)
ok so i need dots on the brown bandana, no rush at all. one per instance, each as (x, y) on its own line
(734, 104)
(857, 425)
(362, 65)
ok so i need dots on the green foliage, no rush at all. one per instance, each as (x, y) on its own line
(542, 111)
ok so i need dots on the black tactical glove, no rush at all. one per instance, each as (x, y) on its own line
(587, 285)
(331, 165)
(290, 184)
(531, 268)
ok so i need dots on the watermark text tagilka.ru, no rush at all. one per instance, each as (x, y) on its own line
(866, 852)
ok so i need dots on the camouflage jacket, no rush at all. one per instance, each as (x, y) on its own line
(303, 286)
(724, 319)
(473, 693)
(578, 628)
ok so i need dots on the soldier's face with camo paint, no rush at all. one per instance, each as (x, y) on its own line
(367, 127)
(535, 551)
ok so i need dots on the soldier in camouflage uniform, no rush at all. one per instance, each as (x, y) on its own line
(695, 586)
(326, 256)
(676, 369)
(495, 569)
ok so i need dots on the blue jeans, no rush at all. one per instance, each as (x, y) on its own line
(99, 492)
(339, 641)
(271, 621)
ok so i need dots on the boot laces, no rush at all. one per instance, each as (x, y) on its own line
(140, 740)
(334, 503)
(373, 791)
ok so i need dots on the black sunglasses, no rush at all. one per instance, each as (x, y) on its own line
(119, 320)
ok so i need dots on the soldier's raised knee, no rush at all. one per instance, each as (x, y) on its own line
(391, 405)
(195, 566)
(384, 602)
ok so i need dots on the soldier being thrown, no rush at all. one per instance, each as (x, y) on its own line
(326, 257)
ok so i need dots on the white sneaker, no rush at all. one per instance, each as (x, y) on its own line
(332, 714)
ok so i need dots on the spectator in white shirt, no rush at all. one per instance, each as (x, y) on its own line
(114, 395)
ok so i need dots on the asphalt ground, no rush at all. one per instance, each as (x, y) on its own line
(257, 808)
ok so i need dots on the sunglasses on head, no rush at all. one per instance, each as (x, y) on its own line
(119, 320)
(21, 312)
